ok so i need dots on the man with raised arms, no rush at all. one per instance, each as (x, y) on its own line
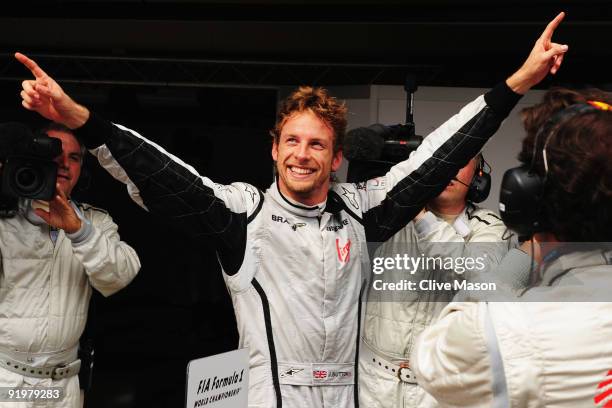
(296, 285)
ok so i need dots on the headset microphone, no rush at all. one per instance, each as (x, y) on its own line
(459, 181)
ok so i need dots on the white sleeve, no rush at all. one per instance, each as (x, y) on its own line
(451, 358)
(110, 263)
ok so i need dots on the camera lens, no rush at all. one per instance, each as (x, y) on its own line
(27, 180)
(29, 177)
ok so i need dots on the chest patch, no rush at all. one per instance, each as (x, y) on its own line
(344, 250)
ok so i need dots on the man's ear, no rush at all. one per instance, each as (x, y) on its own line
(336, 160)
(274, 150)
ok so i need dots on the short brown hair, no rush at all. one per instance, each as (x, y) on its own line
(326, 107)
(577, 198)
(553, 101)
(58, 127)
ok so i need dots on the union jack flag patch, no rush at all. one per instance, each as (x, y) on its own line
(320, 374)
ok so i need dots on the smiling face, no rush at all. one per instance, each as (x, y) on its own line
(305, 158)
(68, 162)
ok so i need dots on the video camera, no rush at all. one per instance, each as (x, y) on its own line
(26, 165)
(374, 149)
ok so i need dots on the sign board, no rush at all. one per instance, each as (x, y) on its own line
(220, 381)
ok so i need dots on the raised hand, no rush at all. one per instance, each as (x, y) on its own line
(545, 57)
(43, 95)
(61, 214)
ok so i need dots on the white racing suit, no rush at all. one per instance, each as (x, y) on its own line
(394, 319)
(549, 348)
(295, 273)
(45, 286)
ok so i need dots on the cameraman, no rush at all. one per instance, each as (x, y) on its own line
(51, 258)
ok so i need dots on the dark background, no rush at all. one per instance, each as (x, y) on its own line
(203, 78)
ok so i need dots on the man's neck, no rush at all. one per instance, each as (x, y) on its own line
(446, 209)
(309, 200)
(548, 245)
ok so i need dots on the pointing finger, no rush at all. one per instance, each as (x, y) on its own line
(552, 26)
(31, 65)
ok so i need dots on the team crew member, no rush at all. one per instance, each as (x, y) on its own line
(293, 257)
(451, 226)
(543, 350)
(51, 258)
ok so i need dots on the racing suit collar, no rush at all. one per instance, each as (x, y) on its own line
(460, 222)
(25, 208)
(294, 206)
(572, 260)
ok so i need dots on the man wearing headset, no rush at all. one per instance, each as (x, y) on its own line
(550, 346)
(451, 225)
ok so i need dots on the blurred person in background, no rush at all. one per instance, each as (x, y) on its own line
(550, 347)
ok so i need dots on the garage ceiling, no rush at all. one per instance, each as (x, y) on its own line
(272, 43)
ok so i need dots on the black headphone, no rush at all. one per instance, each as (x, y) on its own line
(479, 188)
(522, 189)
